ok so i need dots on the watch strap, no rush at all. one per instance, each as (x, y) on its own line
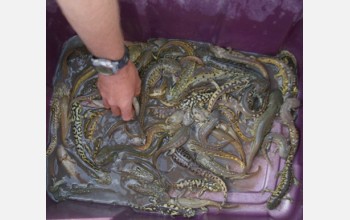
(110, 67)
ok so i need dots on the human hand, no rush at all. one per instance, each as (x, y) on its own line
(118, 90)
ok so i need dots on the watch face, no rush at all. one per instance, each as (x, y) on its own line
(102, 66)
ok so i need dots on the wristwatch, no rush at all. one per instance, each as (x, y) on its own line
(110, 67)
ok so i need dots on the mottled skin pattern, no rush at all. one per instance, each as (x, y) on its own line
(58, 116)
(196, 203)
(233, 85)
(287, 174)
(91, 124)
(184, 159)
(193, 146)
(220, 170)
(69, 164)
(202, 184)
(180, 138)
(181, 85)
(264, 125)
(281, 143)
(218, 133)
(235, 57)
(84, 154)
(285, 63)
(188, 49)
(55, 115)
(189, 81)
(155, 130)
(231, 117)
(65, 123)
(166, 209)
(88, 73)
(152, 76)
(107, 154)
(255, 98)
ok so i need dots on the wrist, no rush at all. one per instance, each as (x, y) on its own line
(111, 52)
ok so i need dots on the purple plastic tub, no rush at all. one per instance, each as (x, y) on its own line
(264, 27)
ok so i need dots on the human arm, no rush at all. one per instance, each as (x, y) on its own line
(97, 22)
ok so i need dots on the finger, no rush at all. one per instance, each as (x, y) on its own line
(105, 104)
(115, 110)
(138, 91)
(127, 112)
(138, 88)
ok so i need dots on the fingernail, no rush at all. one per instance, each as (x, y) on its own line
(128, 118)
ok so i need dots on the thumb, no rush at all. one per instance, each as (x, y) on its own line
(127, 112)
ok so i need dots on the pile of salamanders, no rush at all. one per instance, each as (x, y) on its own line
(201, 108)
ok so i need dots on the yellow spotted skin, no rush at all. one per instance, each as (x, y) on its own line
(58, 112)
(232, 118)
(193, 97)
(285, 71)
(100, 176)
(287, 176)
(78, 134)
(88, 73)
(151, 134)
(55, 117)
(152, 75)
(233, 85)
(185, 159)
(52, 145)
(199, 79)
(188, 49)
(202, 184)
(166, 209)
(287, 173)
(182, 84)
(91, 125)
(215, 153)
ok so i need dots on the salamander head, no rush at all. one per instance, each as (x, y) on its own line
(273, 202)
(175, 118)
(200, 114)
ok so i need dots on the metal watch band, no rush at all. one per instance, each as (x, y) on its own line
(110, 67)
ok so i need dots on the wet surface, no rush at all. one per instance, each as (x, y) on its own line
(116, 172)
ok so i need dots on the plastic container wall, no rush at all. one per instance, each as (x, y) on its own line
(265, 27)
